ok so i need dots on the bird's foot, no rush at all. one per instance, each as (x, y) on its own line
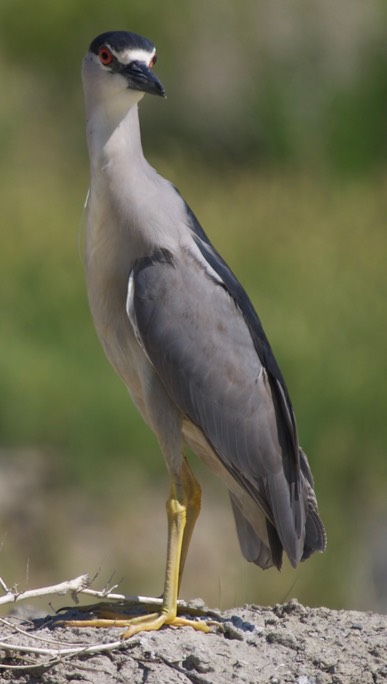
(111, 615)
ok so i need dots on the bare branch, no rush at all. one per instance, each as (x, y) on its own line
(130, 600)
(74, 586)
(75, 650)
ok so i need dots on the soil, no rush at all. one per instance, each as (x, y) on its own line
(287, 643)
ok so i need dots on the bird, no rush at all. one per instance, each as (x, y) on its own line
(183, 335)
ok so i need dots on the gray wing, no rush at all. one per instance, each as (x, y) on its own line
(197, 338)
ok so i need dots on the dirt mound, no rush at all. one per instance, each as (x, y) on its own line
(287, 643)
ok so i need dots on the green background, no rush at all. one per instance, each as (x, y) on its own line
(275, 132)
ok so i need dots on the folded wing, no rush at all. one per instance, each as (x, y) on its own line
(208, 347)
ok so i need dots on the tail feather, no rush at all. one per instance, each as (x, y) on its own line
(252, 547)
(309, 539)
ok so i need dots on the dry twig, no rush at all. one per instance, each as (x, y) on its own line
(73, 586)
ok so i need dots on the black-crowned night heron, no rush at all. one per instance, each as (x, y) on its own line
(183, 335)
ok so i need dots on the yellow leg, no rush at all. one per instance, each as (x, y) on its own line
(193, 495)
(183, 507)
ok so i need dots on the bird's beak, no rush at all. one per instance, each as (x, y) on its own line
(141, 77)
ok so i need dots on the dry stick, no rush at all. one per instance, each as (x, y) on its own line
(56, 655)
(74, 586)
(59, 652)
(79, 585)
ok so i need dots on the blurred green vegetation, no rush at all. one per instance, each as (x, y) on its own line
(281, 112)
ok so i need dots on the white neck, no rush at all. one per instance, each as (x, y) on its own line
(108, 132)
(126, 194)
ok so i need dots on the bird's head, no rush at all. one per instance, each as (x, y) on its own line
(117, 72)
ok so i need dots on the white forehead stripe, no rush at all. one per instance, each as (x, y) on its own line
(133, 55)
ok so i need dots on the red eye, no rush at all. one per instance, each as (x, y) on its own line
(105, 56)
(153, 60)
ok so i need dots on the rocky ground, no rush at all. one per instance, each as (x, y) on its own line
(287, 643)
